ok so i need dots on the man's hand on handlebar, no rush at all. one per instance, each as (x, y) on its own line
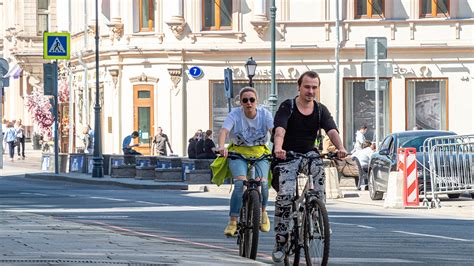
(280, 154)
(342, 153)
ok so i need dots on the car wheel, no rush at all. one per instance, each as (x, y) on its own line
(374, 195)
(454, 196)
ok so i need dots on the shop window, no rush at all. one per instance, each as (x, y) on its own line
(434, 8)
(42, 16)
(359, 110)
(217, 14)
(427, 104)
(369, 8)
(286, 89)
(146, 15)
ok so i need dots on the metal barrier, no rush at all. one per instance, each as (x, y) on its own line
(448, 163)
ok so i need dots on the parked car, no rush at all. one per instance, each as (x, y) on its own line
(385, 160)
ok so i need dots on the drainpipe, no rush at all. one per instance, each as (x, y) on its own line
(338, 47)
(71, 94)
(85, 103)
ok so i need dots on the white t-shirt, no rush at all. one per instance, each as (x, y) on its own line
(248, 132)
(363, 156)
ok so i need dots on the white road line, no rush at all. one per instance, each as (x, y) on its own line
(126, 209)
(357, 225)
(105, 198)
(434, 236)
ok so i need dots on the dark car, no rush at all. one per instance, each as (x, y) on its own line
(385, 160)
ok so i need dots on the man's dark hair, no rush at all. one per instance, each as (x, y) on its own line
(310, 73)
(366, 144)
(135, 134)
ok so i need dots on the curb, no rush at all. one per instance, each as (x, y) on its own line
(108, 181)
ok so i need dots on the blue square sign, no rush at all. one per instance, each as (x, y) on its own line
(56, 45)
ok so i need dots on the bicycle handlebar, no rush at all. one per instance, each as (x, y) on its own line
(236, 155)
(294, 155)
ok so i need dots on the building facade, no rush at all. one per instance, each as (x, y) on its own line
(147, 48)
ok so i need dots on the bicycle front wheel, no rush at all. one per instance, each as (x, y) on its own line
(253, 225)
(316, 233)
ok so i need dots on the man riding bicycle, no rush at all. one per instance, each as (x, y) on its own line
(297, 124)
(247, 127)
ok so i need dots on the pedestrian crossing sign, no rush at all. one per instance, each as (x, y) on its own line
(56, 45)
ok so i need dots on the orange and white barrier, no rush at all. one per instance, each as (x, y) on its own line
(407, 165)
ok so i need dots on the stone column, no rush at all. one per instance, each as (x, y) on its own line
(259, 20)
(176, 20)
(115, 25)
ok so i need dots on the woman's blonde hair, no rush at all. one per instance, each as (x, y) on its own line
(248, 89)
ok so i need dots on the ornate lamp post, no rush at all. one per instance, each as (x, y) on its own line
(250, 66)
(97, 169)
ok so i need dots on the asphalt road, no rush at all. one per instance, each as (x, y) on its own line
(360, 235)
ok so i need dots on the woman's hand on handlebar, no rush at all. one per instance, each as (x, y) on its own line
(280, 154)
(223, 151)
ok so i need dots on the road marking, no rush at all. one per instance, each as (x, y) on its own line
(137, 233)
(358, 225)
(126, 209)
(435, 236)
(106, 198)
(36, 194)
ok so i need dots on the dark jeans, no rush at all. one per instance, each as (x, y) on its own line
(11, 148)
(130, 159)
(21, 144)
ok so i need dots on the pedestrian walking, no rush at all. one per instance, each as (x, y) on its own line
(20, 137)
(10, 138)
(87, 140)
(159, 143)
(4, 129)
(360, 138)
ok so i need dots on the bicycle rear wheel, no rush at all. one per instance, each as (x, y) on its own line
(316, 233)
(241, 230)
(253, 225)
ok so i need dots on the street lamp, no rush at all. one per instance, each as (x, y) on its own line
(97, 169)
(250, 66)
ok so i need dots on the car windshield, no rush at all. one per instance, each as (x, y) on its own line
(413, 141)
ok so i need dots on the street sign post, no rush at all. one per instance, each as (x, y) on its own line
(3, 71)
(56, 45)
(384, 69)
(376, 49)
(370, 85)
(50, 77)
(228, 87)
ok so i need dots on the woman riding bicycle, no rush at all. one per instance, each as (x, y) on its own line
(247, 127)
(297, 123)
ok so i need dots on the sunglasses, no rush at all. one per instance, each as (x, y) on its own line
(246, 100)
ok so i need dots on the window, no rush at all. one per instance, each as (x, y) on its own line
(370, 8)
(42, 19)
(147, 18)
(359, 106)
(427, 104)
(286, 89)
(434, 8)
(217, 14)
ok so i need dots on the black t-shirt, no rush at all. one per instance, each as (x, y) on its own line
(192, 148)
(302, 130)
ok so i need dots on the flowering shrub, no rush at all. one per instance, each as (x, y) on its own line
(63, 91)
(40, 109)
